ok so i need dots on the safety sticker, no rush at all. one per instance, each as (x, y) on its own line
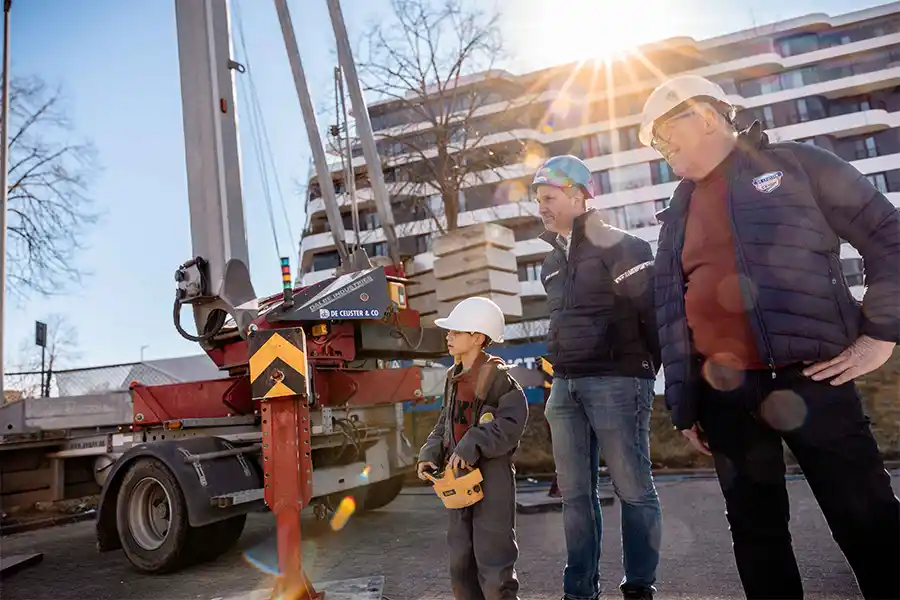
(768, 182)
(278, 363)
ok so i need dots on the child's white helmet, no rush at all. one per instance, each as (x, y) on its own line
(476, 315)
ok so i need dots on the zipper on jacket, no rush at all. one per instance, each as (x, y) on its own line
(837, 279)
(570, 272)
(677, 248)
(739, 254)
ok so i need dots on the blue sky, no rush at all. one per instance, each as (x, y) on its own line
(117, 65)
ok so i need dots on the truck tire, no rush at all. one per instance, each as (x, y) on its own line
(151, 515)
(382, 493)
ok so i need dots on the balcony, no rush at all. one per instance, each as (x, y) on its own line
(532, 289)
(770, 62)
(841, 126)
(500, 213)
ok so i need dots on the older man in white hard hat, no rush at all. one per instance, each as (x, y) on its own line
(761, 338)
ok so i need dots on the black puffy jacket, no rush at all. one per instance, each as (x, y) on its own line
(600, 301)
(790, 204)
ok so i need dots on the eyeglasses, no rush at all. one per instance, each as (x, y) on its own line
(662, 133)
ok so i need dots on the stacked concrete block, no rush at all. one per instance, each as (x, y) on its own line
(421, 296)
(477, 261)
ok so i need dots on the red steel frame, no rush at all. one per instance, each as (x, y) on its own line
(286, 448)
(287, 465)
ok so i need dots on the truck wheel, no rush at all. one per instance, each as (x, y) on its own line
(211, 541)
(151, 516)
(382, 493)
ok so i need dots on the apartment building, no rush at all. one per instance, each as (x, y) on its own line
(832, 81)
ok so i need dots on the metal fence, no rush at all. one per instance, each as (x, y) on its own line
(80, 382)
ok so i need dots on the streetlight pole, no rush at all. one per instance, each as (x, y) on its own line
(4, 184)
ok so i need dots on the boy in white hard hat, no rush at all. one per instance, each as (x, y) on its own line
(482, 419)
(761, 337)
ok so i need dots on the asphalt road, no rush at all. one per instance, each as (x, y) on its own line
(405, 543)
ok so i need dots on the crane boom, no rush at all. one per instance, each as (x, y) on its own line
(332, 210)
(217, 280)
(364, 130)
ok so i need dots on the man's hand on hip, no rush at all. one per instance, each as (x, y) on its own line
(863, 356)
(693, 436)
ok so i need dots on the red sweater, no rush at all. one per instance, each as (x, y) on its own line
(714, 306)
(464, 398)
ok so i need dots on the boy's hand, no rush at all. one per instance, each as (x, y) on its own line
(420, 468)
(457, 463)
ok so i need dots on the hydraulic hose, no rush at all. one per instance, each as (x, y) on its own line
(213, 327)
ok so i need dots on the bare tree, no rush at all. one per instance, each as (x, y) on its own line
(61, 351)
(49, 207)
(419, 60)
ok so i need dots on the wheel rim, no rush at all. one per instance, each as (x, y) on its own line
(149, 513)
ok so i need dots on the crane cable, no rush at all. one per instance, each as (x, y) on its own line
(260, 138)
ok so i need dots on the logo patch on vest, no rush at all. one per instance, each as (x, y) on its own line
(768, 182)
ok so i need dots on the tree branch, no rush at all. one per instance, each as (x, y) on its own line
(49, 207)
(418, 61)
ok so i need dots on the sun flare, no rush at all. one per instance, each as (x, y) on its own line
(561, 31)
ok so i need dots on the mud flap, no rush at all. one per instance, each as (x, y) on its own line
(203, 481)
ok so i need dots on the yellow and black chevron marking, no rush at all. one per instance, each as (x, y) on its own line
(547, 368)
(278, 365)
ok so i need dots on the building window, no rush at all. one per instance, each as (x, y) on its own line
(628, 139)
(768, 117)
(853, 270)
(879, 181)
(661, 172)
(601, 183)
(614, 217)
(424, 243)
(802, 110)
(865, 148)
(370, 221)
(630, 177)
(379, 249)
(530, 271)
(661, 204)
(798, 44)
(641, 214)
(596, 145)
(326, 260)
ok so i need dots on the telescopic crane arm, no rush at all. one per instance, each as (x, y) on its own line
(217, 281)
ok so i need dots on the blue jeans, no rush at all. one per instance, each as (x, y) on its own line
(610, 416)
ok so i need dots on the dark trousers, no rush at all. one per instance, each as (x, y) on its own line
(745, 417)
(482, 538)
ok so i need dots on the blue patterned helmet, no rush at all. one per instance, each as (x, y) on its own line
(564, 172)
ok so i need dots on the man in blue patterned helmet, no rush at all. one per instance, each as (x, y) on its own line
(603, 347)
(570, 176)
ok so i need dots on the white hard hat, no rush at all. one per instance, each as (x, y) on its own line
(475, 315)
(671, 94)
